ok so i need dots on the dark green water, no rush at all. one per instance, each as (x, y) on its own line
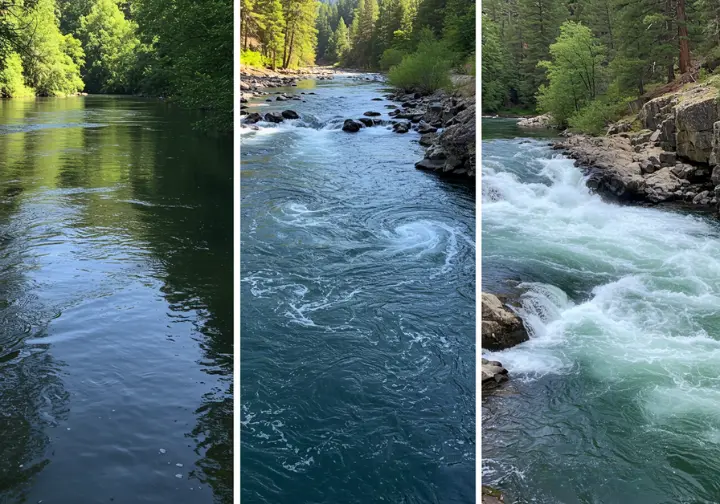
(115, 304)
(358, 312)
(617, 392)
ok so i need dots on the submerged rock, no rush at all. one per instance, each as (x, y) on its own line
(501, 328)
(491, 496)
(367, 121)
(372, 114)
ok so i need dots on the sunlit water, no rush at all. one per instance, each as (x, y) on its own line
(618, 389)
(358, 311)
(115, 304)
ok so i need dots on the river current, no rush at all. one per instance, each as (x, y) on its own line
(358, 310)
(616, 397)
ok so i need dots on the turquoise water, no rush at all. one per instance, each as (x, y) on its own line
(617, 393)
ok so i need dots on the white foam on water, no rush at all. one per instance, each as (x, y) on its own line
(423, 237)
(653, 323)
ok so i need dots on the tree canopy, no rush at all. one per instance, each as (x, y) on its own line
(179, 49)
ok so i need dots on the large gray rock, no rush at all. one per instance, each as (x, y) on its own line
(501, 328)
(492, 374)
(541, 121)
(274, 117)
(715, 151)
(694, 121)
(654, 112)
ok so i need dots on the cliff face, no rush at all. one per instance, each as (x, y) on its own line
(675, 157)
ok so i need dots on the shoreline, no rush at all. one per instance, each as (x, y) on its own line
(445, 121)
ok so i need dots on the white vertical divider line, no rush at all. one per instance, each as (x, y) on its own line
(236, 253)
(478, 252)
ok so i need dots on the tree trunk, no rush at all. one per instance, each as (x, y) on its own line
(684, 60)
(671, 71)
(286, 63)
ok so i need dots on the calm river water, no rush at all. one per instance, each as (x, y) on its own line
(115, 304)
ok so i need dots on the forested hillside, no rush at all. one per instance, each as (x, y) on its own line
(366, 34)
(586, 61)
(180, 49)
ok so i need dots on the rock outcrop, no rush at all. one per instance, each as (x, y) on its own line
(674, 158)
(541, 121)
(492, 374)
(501, 328)
(450, 120)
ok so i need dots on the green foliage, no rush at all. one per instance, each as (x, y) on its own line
(426, 70)
(575, 73)
(110, 42)
(188, 53)
(494, 81)
(459, 26)
(51, 61)
(12, 82)
(390, 58)
(594, 118)
(251, 58)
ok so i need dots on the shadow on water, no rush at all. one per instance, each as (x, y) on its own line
(115, 304)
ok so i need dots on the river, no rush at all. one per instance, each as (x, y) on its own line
(616, 397)
(116, 304)
(357, 310)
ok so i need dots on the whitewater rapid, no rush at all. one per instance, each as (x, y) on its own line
(623, 310)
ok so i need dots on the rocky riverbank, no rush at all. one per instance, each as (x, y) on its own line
(255, 82)
(501, 328)
(445, 121)
(669, 153)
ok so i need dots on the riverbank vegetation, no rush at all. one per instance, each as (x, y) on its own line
(178, 49)
(418, 42)
(588, 62)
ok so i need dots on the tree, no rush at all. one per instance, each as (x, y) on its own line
(300, 32)
(575, 72)
(494, 74)
(110, 41)
(51, 61)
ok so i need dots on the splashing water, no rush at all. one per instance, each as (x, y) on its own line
(621, 377)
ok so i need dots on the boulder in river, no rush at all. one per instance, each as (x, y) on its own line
(290, 114)
(351, 126)
(372, 114)
(501, 328)
(274, 117)
(367, 121)
(253, 118)
(401, 127)
(377, 99)
(492, 374)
